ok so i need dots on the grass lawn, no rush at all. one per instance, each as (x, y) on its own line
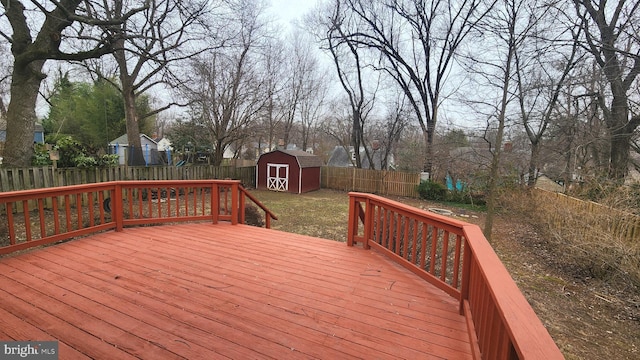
(322, 213)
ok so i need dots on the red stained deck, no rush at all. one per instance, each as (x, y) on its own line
(224, 291)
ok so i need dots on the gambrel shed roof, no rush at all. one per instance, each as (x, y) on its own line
(305, 160)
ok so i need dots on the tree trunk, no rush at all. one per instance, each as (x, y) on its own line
(620, 130)
(533, 163)
(356, 136)
(492, 186)
(21, 114)
(218, 154)
(428, 148)
(136, 156)
(620, 145)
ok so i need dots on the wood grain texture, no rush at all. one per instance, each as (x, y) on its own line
(203, 291)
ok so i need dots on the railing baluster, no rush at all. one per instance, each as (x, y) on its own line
(79, 211)
(90, 199)
(67, 212)
(398, 233)
(434, 248)
(43, 231)
(405, 237)
(414, 241)
(456, 261)
(56, 216)
(423, 247)
(445, 255)
(178, 192)
(101, 209)
(11, 224)
(27, 219)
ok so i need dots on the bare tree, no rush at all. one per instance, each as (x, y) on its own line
(418, 41)
(273, 64)
(301, 67)
(166, 32)
(350, 65)
(312, 104)
(41, 31)
(228, 89)
(386, 134)
(610, 36)
(543, 66)
(506, 27)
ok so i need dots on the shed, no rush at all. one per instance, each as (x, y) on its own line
(293, 171)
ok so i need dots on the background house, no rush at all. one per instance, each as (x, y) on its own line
(120, 146)
(345, 157)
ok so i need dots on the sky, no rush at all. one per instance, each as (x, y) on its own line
(287, 11)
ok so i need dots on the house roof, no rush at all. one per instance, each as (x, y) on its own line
(305, 160)
(123, 141)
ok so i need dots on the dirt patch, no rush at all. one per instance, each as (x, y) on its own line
(587, 318)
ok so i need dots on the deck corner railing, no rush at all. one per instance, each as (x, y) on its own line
(455, 257)
(31, 218)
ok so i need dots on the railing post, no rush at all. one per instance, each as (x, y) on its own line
(466, 274)
(117, 208)
(215, 202)
(234, 203)
(353, 218)
(368, 223)
(242, 206)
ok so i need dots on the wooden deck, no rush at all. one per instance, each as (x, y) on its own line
(203, 291)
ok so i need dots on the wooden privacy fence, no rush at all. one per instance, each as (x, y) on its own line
(380, 182)
(390, 183)
(13, 179)
(622, 225)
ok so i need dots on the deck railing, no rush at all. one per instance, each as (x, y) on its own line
(32, 218)
(456, 257)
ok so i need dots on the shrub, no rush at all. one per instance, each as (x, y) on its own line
(108, 160)
(69, 150)
(431, 190)
(40, 156)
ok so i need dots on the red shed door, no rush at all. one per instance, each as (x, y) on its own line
(278, 177)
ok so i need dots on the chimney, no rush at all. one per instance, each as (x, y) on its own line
(508, 146)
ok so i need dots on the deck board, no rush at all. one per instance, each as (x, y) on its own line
(224, 291)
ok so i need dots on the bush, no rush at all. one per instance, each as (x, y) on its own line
(108, 160)
(40, 156)
(83, 161)
(69, 149)
(431, 190)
